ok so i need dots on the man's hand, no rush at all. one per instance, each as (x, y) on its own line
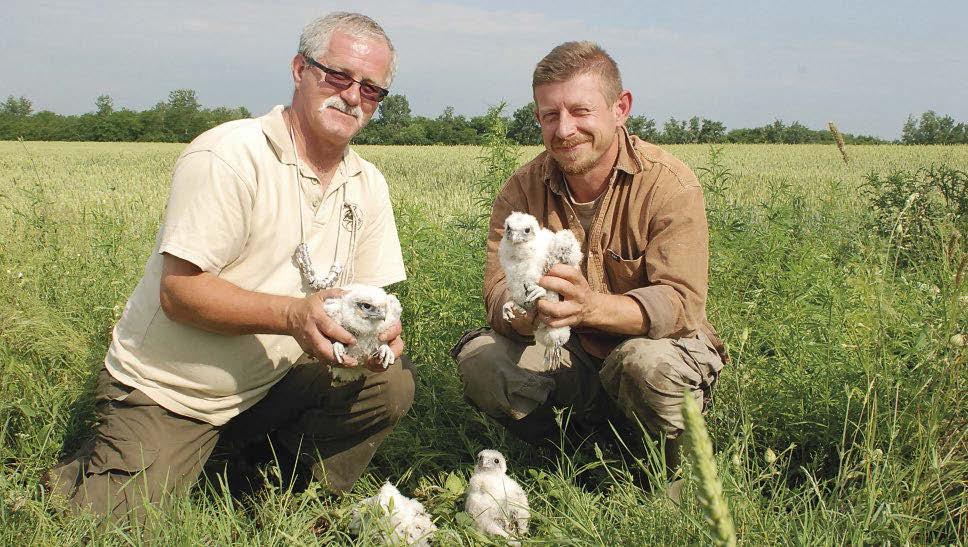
(315, 331)
(393, 337)
(581, 306)
(578, 301)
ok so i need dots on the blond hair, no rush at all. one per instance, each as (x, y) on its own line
(572, 59)
(315, 37)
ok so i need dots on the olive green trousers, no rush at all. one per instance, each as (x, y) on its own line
(641, 381)
(141, 452)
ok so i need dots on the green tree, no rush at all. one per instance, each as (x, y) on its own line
(449, 128)
(675, 131)
(18, 107)
(104, 104)
(182, 116)
(932, 128)
(644, 127)
(711, 131)
(395, 111)
(523, 127)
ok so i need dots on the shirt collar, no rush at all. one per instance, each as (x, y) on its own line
(627, 162)
(277, 133)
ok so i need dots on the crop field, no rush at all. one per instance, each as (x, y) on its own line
(842, 417)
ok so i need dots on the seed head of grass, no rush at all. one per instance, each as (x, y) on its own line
(700, 451)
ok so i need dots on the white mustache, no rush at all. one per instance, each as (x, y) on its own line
(338, 103)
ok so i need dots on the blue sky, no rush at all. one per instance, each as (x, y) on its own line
(866, 65)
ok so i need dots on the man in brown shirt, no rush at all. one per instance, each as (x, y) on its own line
(636, 306)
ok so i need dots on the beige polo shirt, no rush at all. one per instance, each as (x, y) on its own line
(234, 211)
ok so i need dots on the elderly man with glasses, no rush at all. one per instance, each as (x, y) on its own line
(224, 342)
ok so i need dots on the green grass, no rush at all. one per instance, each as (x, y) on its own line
(841, 418)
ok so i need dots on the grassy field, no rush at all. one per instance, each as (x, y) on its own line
(840, 420)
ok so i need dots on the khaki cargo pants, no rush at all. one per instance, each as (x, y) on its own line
(142, 452)
(642, 380)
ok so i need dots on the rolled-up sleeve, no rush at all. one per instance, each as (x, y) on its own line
(676, 263)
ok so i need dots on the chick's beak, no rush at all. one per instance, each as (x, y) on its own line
(375, 313)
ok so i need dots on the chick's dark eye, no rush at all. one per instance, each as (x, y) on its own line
(497, 460)
(366, 306)
(527, 230)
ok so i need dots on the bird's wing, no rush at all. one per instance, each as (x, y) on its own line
(567, 248)
(545, 249)
(394, 310)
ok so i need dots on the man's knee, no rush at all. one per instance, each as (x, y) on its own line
(400, 388)
(119, 478)
(647, 379)
(140, 453)
(476, 359)
(657, 365)
(498, 377)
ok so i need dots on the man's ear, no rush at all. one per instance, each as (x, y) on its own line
(623, 107)
(297, 66)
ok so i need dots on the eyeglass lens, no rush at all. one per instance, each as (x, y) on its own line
(341, 81)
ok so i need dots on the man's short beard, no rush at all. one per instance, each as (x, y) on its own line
(578, 168)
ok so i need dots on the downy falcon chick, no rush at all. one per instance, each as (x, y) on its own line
(366, 312)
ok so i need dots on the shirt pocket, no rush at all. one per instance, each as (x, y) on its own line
(624, 274)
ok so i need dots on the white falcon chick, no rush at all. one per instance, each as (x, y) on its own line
(366, 312)
(495, 501)
(526, 252)
(398, 518)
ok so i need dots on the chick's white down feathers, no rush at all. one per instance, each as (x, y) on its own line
(526, 252)
(495, 501)
(396, 518)
(366, 312)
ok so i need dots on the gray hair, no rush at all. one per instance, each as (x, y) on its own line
(316, 36)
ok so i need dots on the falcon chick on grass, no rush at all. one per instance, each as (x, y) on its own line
(397, 518)
(527, 251)
(495, 501)
(366, 312)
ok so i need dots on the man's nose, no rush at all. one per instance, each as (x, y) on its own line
(566, 126)
(351, 94)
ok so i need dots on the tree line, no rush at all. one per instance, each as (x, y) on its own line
(181, 118)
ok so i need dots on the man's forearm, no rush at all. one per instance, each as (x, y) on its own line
(203, 300)
(617, 314)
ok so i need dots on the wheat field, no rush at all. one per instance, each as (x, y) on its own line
(840, 420)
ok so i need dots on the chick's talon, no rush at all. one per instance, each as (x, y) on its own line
(339, 351)
(535, 293)
(511, 310)
(385, 355)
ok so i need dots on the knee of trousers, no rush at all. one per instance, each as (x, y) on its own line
(494, 382)
(475, 364)
(647, 379)
(399, 389)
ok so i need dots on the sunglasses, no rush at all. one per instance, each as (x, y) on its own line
(341, 80)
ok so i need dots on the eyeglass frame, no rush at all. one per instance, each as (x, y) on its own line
(381, 91)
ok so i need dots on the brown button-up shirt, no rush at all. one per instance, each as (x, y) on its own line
(648, 240)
